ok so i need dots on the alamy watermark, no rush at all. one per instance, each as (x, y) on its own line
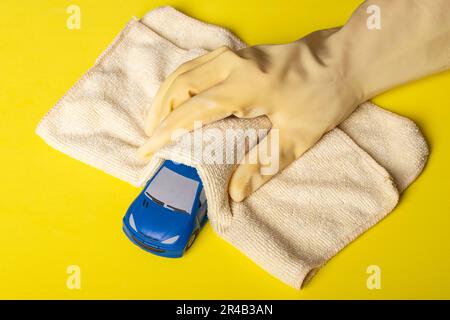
(373, 21)
(231, 146)
(73, 281)
(74, 19)
(374, 279)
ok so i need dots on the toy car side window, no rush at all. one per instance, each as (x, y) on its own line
(202, 196)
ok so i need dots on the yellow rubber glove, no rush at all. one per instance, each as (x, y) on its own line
(307, 87)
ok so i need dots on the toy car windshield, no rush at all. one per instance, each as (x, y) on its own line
(173, 191)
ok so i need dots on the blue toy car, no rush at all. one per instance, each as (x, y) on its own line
(168, 214)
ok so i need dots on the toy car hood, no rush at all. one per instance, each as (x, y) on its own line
(157, 222)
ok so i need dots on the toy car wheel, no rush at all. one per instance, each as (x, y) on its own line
(191, 239)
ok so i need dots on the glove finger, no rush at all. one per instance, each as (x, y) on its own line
(205, 108)
(273, 154)
(197, 80)
(157, 112)
(260, 164)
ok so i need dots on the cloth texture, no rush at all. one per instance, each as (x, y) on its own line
(293, 224)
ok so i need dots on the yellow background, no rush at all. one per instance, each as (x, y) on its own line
(56, 211)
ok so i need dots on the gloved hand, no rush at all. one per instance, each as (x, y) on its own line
(299, 92)
(307, 87)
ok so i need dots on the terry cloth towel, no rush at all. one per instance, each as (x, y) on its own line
(293, 224)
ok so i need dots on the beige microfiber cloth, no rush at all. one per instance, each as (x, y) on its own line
(292, 225)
